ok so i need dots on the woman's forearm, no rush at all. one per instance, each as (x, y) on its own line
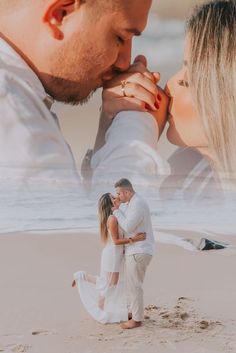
(130, 240)
(122, 241)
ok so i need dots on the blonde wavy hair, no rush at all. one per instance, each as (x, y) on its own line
(211, 31)
(105, 210)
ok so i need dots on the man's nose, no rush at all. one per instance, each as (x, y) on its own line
(124, 57)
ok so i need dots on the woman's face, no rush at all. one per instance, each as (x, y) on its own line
(185, 127)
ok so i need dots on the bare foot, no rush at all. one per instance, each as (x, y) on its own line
(131, 324)
(73, 284)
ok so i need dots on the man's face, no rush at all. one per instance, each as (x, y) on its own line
(122, 194)
(94, 49)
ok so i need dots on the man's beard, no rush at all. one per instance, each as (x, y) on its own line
(63, 91)
(84, 100)
(74, 78)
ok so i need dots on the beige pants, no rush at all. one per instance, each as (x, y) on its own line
(136, 266)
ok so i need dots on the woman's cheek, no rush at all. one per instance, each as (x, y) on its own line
(176, 133)
(185, 126)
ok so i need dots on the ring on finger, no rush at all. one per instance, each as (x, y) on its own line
(123, 84)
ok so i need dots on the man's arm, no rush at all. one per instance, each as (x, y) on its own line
(104, 123)
(86, 168)
(130, 222)
(113, 227)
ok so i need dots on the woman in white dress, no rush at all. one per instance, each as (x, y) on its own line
(104, 296)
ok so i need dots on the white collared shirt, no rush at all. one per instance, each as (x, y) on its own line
(31, 144)
(136, 219)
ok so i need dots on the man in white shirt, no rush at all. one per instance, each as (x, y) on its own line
(62, 50)
(135, 219)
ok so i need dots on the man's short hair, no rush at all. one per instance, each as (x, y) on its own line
(125, 184)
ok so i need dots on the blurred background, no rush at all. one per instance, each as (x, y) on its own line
(173, 9)
(162, 43)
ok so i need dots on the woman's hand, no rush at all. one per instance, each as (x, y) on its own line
(141, 94)
(161, 114)
(136, 89)
(139, 237)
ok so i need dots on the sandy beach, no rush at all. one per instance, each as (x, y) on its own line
(189, 297)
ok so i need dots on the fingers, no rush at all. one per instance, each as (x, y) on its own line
(140, 237)
(139, 67)
(138, 86)
(135, 89)
(157, 76)
(143, 80)
(142, 59)
(147, 92)
(127, 103)
(161, 114)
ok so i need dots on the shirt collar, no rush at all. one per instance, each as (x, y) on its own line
(132, 198)
(12, 62)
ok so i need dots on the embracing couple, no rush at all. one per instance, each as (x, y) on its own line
(117, 293)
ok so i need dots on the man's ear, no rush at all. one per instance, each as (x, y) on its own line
(55, 13)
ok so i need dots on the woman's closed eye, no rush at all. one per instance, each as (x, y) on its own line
(183, 83)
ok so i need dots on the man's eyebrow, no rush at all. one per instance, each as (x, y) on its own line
(134, 31)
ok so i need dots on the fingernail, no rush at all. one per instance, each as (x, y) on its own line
(147, 106)
(157, 105)
(159, 97)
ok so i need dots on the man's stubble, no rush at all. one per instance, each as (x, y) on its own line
(75, 72)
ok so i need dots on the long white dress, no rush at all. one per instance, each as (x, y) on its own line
(104, 296)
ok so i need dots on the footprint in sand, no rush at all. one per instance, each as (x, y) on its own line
(20, 348)
(184, 316)
(208, 325)
(151, 307)
(42, 332)
(185, 298)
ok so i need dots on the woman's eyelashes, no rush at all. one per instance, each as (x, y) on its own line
(183, 83)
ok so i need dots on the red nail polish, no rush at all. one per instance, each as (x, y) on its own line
(147, 106)
(159, 97)
(157, 105)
